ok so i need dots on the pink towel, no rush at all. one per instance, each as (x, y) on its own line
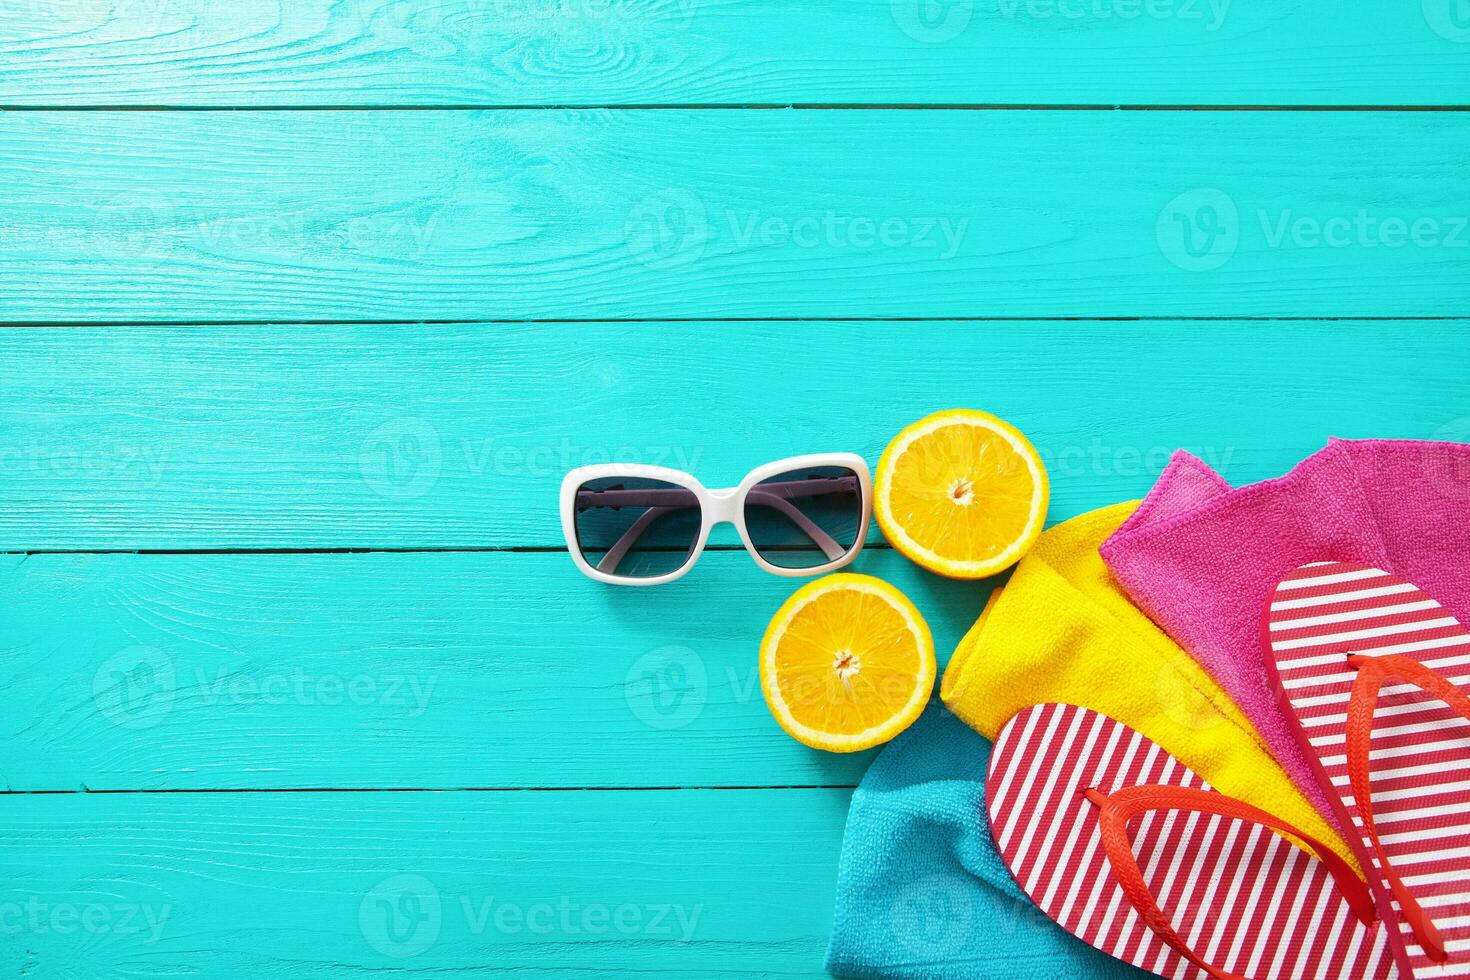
(1420, 496)
(1201, 558)
(1185, 483)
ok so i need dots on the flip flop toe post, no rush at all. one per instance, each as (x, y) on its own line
(1375, 675)
(1130, 851)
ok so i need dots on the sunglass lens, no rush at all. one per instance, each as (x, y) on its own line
(636, 528)
(805, 518)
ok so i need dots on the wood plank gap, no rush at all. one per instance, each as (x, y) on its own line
(747, 106)
(84, 791)
(980, 318)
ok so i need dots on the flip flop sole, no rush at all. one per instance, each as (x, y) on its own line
(1242, 897)
(1419, 761)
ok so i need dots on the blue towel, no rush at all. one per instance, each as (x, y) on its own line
(921, 891)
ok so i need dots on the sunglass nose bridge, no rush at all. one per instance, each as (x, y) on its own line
(723, 505)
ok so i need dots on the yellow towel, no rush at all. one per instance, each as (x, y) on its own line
(1060, 630)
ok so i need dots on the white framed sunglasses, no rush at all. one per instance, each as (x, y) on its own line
(630, 524)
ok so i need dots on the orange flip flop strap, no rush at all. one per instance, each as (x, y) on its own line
(1117, 809)
(1372, 673)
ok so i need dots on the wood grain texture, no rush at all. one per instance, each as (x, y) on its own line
(457, 436)
(619, 52)
(139, 673)
(318, 886)
(615, 214)
(405, 671)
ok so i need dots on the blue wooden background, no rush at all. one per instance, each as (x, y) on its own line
(310, 303)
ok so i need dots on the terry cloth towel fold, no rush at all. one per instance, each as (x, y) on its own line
(921, 891)
(1420, 496)
(1061, 631)
(1203, 564)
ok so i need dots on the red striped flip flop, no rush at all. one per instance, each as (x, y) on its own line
(1125, 848)
(1376, 676)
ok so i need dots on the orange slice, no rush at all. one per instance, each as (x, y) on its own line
(847, 663)
(961, 493)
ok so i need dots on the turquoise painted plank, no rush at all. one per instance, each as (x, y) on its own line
(440, 670)
(457, 436)
(328, 886)
(617, 52)
(687, 214)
